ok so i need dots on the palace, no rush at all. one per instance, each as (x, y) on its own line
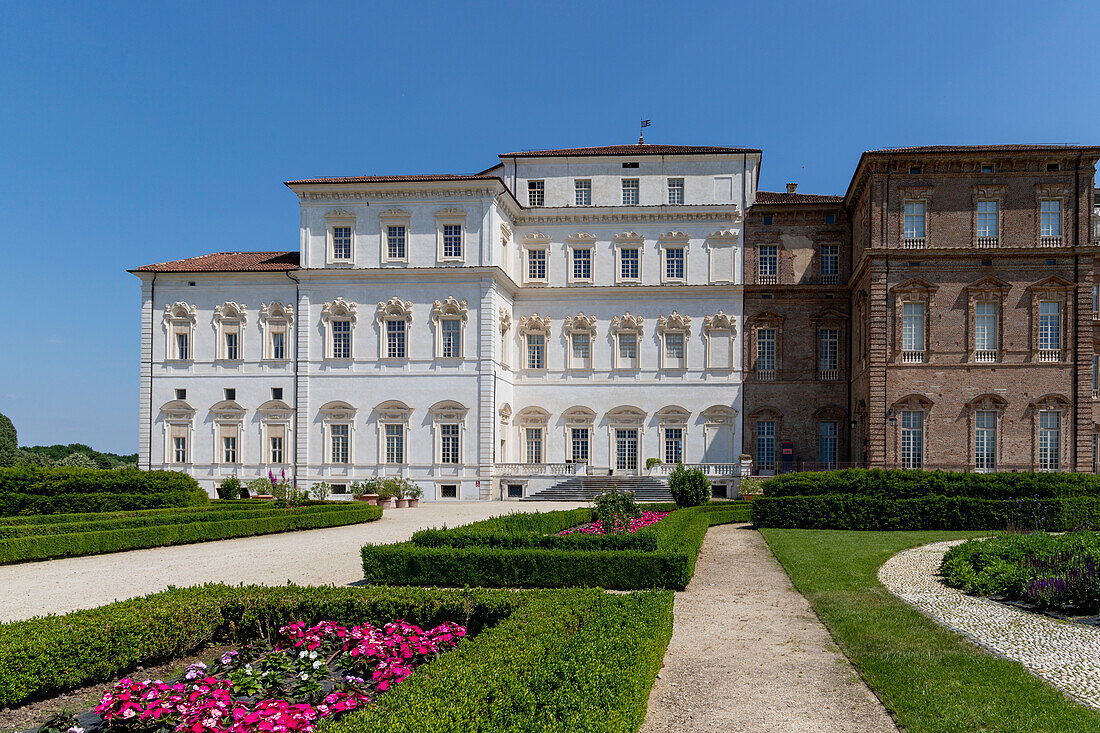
(616, 310)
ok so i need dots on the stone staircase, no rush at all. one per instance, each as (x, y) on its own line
(585, 488)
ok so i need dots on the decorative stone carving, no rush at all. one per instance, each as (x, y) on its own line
(337, 410)
(394, 308)
(720, 321)
(627, 322)
(987, 402)
(393, 411)
(505, 233)
(916, 192)
(674, 236)
(505, 319)
(338, 308)
(339, 214)
(913, 402)
(672, 415)
(229, 311)
(536, 238)
(534, 323)
(674, 322)
(276, 310)
(718, 415)
(579, 323)
(628, 237)
(451, 212)
(626, 415)
(581, 237)
(180, 311)
(394, 213)
(450, 306)
(448, 411)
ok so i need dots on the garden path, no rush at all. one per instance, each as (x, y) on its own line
(749, 654)
(312, 557)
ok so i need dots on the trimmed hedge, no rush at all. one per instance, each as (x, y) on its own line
(912, 484)
(503, 561)
(48, 546)
(41, 490)
(219, 505)
(576, 660)
(838, 511)
(641, 540)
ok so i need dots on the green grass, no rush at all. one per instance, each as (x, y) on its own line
(930, 679)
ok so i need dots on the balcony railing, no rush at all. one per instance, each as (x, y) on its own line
(765, 375)
(1051, 241)
(829, 375)
(830, 279)
(912, 357)
(913, 242)
(1050, 354)
(541, 469)
(985, 355)
(767, 279)
(987, 242)
(710, 469)
(1096, 394)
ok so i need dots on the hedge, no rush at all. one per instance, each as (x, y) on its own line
(48, 546)
(219, 505)
(41, 490)
(575, 660)
(912, 484)
(839, 511)
(524, 564)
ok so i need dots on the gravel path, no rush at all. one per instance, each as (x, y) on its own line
(749, 654)
(1063, 653)
(313, 557)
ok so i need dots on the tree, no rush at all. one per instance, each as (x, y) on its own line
(77, 460)
(689, 486)
(9, 443)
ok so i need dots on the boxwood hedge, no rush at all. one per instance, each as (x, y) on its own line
(94, 538)
(911, 484)
(41, 490)
(518, 551)
(573, 660)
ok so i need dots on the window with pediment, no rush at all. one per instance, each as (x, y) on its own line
(912, 301)
(628, 257)
(766, 345)
(582, 248)
(535, 330)
(829, 325)
(338, 317)
(626, 330)
(532, 423)
(276, 319)
(395, 232)
(228, 419)
(672, 425)
(988, 204)
(275, 425)
(536, 255)
(984, 414)
(675, 331)
(1052, 202)
(392, 418)
(451, 235)
(1050, 415)
(1051, 300)
(916, 201)
(449, 424)
(178, 417)
(985, 313)
(580, 334)
(338, 426)
(340, 237)
(578, 433)
(229, 318)
(394, 317)
(674, 249)
(720, 331)
(179, 321)
(449, 316)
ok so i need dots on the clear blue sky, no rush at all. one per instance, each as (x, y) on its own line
(142, 132)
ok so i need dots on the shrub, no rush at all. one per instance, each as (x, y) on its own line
(39, 490)
(912, 484)
(230, 488)
(77, 460)
(9, 443)
(689, 486)
(320, 490)
(259, 487)
(614, 510)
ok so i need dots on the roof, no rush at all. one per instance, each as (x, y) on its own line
(635, 149)
(229, 262)
(975, 149)
(775, 197)
(395, 179)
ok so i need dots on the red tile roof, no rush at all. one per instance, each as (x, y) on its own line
(395, 179)
(229, 262)
(975, 148)
(775, 197)
(635, 149)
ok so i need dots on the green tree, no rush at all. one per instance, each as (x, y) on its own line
(77, 460)
(9, 443)
(689, 486)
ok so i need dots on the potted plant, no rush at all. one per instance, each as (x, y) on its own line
(398, 486)
(385, 493)
(414, 493)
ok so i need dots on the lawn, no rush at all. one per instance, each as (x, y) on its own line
(930, 679)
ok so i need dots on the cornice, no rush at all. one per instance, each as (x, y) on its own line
(397, 194)
(612, 216)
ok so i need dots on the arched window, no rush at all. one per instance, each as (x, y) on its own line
(229, 320)
(179, 322)
(1050, 422)
(909, 417)
(626, 424)
(339, 319)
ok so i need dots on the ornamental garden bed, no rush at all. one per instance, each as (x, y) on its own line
(530, 660)
(529, 550)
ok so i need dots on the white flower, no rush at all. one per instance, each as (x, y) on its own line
(317, 664)
(303, 676)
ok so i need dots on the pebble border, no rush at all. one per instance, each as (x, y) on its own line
(1063, 653)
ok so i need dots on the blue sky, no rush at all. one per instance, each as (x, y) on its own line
(133, 133)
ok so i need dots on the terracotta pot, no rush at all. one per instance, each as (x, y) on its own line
(371, 499)
(402, 503)
(414, 502)
(385, 503)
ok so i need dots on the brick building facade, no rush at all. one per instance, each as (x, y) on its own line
(957, 286)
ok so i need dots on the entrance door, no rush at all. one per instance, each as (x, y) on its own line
(626, 450)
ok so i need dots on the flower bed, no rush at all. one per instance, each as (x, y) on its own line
(647, 518)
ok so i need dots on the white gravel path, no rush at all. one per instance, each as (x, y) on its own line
(312, 557)
(1063, 653)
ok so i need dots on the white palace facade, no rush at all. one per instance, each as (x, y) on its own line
(565, 312)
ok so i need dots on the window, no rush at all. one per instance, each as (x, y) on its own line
(582, 263)
(582, 193)
(179, 449)
(768, 265)
(630, 165)
(674, 263)
(341, 243)
(914, 222)
(1050, 440)
(765, 445)
(912, 331)
(276, 442)
(985, 330)
(987, 222)
(276, 393)
(452, 241)
(536, 351)
(396, 237)
(912, 439)
(448, 491)
(674, 350)
(829, 354)
(916, 170)
(230, 393)
(395, 339)
(629, 263)
(674, 446)
(581, 356)
(181, 394)
(719, 329)
(533, 440)
(278, 345)
(768, 220)
(341, 339)
(830, 219)
(765, 353)
(339, 444)
(830, 264)
(450, 338)
(579, 439)
(395, 442)
(183, 346)
(536, 193)
(676, 191)
(536, 264)
(276, 433)
(1050, 330)
(1095, 300)
(1050, 221)
(228, 321)
(448, 443)
(1054, 166)
(275, 320)
(987, 168)
(826, 444)
(630, 192)
(628, 349)
(338, 316)
(232, 353)
(985, 440)
(179, 318)
(674, 330)
(229, 449)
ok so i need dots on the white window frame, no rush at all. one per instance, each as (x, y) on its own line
(536, 193)
(987, 224)
(577, 243)
(530, 253)
(828, 363)
(674, 241)
(229, 321)
(330, 444)
(985, 326)
(625, 242)
(447, 426)
(1050, 326)
(337, 414)
(450, 309)
(1050, 217)
(582, 186)
(583, 326)
(534, 343)
(767, 268)
(572, 431)
(676, 185)
(394, 218)
(179, 318)
(388, 312)
(914, 459)
(914, 328)
(1046, 461)
(763, 365)
(339, 310)
(627, 325)
(540, 442)
(983, 435)
(333, 220)
(276, 318)
(535, 326)
(830, 273)
(828, 442)
(631, 188)
(914, 224)
(665, 442)
(450, 217)
(720, 331)
(401, 430)
(675, 326)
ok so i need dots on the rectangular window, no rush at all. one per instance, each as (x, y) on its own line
(765, 445)
(231, 351)
(578, 441)
(912, 329)
(628, 349)
(630, 192)
(229, 449)
(448, 443)
(826, 444)
(768, 265)
(1051, 221)
(395, 242)
(829, 341)
(674, 263)
(395, 443)
(179, 450)
(768, 220)
(450, 338)
(582, 193)
(341, 339)
(395, 340)
(1095, 376)
(985, 440)
(536, 351)
(765, 351)
(582, 349)
(674, 446)
(536, 264)
(278, 345)
(987, 219)
(448, 491)
(676, 191)
(582, 263)
(536, 193)
(341, 243)
(1050, 440)
(985, 328)
(230, 394)
(276, 393)
(452, 241)
(181, 394)
(914, 220)
(830, 219)
(830, 264)
(674, 350)
(912, 439)
(276, 449)
(183, 346)
(629, 263)
(534, 445)
(338, 434)
(1050, 325)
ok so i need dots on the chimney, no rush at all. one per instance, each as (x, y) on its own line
(792, 187)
